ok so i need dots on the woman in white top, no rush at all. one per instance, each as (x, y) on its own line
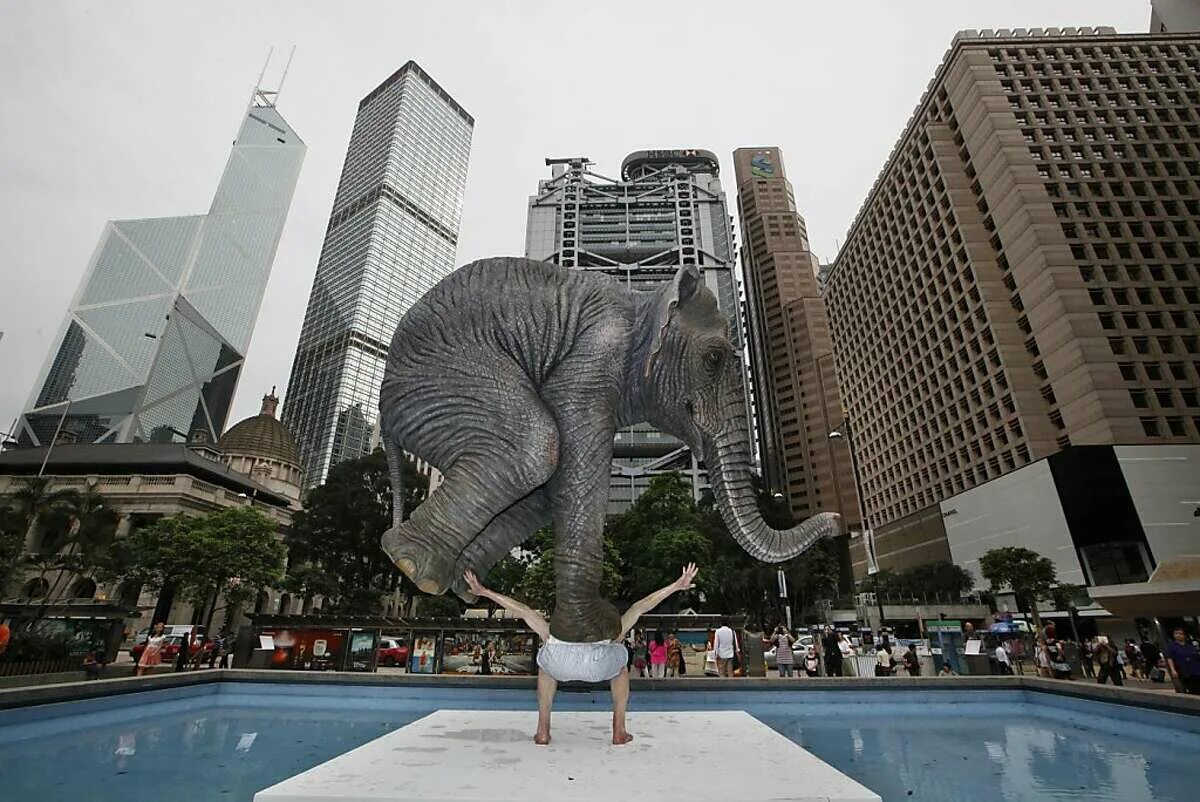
(883, 661)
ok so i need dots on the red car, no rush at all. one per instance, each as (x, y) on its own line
(392, 652)
(170, 649)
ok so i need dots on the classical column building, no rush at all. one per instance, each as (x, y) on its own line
(1015, 308)
(392, 235)
(797, 403)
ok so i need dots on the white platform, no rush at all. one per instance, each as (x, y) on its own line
(489, 756)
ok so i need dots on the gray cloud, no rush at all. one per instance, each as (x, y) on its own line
(128, 110)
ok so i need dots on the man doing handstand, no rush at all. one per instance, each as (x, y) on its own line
(564, 661)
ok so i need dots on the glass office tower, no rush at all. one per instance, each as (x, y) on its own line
(392, 235)
(153, 344)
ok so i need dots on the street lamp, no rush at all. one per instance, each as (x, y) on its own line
(845, 431)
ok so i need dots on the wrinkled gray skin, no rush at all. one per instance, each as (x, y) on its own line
(511, 376)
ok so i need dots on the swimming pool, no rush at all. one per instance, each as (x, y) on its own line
(226, 740)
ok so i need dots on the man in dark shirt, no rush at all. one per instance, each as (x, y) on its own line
(833, 653)
(1184, 662)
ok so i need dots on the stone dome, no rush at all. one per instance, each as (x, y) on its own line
(261, 436)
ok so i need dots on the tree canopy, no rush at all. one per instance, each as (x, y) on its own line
(926, 581)
(1030, 576)
(231, 552)
(337, 533)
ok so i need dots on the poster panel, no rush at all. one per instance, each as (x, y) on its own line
(488, 652)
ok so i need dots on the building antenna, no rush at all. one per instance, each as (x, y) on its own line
(268, 98)
(282, 78)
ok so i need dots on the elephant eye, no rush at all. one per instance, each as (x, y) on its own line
(712, 359)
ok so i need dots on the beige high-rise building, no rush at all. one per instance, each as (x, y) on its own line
(1015, 308)
(796, 399)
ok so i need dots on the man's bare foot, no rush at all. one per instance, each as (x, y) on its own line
(541, 738)
(621, 738)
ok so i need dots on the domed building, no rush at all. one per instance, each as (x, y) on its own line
(265, 450)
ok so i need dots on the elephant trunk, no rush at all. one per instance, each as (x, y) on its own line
(727, 457)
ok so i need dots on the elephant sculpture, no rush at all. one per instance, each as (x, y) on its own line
(511, 376)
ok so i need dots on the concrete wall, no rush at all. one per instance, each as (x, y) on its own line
(1021, 508)
(1164, 482)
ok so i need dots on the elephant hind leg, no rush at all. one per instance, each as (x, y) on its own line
(505, 454)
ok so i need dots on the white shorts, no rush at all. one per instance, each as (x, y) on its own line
(582, 662)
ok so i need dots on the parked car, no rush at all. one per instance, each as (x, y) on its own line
(392, 652)
(799, 649)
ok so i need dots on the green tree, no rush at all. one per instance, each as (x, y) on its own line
(227, 553)
(340, 526)
(46, 513)
(929, 580)
(660, 531)
(1030, 576)
(12, 544)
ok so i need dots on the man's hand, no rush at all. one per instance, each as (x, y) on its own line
(686, 580)
(473, 584)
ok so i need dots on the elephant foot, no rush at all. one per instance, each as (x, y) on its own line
(430, 571)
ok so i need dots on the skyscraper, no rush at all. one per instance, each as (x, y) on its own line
(154, 340)
(666, 210)
(796, 398)
(1016, 308)
(392, 235)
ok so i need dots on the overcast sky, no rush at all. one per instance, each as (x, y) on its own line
(127, 109)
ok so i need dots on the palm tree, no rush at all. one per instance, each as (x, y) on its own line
(39, 507)
(89, 537)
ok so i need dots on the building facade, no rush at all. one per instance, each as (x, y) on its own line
(797, 403)
(1015, 307)
(391, 236)
(665, 211)
(1174, 16)
(153, 343)
(144, 482)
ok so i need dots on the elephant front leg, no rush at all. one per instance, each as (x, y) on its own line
(579, 492)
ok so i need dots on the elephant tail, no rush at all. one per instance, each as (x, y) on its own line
(395, 460)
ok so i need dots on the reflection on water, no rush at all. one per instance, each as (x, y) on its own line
(220, 754)
(995, 759)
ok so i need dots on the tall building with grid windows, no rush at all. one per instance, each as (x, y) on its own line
(797, 403)
(153, 343)
(392, 235)
(666, 210)
(1016, 305)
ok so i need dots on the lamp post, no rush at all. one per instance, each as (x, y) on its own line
(846, 431)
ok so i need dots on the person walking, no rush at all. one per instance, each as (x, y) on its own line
(1086, 658)
(566, 661)
(1183, 660)
(674, 656)
(1003, 664)
(782, 641)
(725, 649)
(912, 663)
(1106, 662)
(658, 656)
(883, 660)
(152, 655)
(185, 652)
(1150, 657)
(831, 651)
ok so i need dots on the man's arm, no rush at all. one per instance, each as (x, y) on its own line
(656, 598)
(531, 616)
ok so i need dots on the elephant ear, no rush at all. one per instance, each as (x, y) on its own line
(683, 286)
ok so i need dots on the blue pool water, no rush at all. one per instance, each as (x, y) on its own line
(228, 740)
